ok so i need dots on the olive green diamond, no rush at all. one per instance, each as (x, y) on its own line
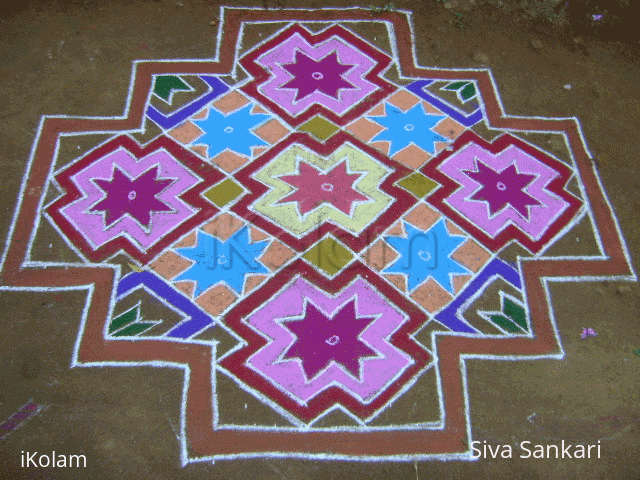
(328, 255)
(418, 184)
(319, 127)
(224, 192)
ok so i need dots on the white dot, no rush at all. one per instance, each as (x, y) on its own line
(332, 340)
(228, 130)
(132, 195)
(327, 187)
(317, 75)
(408, 127)
(501, 186)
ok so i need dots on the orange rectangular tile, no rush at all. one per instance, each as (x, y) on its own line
(223, 226)
(216, 299)
(412, 156)
(431, 296)
(471, 255)
(190, 240)
(379, 255)
(423, 216)
(276, 255)
(200, 150)
(230, 102)
(256, 234)
(229, 161)
(169, 265)
(459, 281)
(399, 281)
(449, 128)
(252, 281)
(403, 100)
(273, 131)
(364, 129)
(186, 133)
(188, 287)
(428, 108)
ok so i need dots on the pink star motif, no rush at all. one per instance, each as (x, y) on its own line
(321, 340)
(503, 188)
(314, 188)
(136, 197)
(310, 75)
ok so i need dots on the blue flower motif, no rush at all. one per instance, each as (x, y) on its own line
(427, 254)
(232, 131)
(227, 261)
(412, 126)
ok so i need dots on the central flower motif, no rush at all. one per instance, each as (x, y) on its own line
(301, 197)
(315, 188)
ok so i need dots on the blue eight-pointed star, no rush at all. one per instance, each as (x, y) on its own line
(427, 254)
(412, 126)
(227, 261)
(232, 131)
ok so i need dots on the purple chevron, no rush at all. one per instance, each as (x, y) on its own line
(196, 319)
(450, 317)
(419, 88)
(170, 121)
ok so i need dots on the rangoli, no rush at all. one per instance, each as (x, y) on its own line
(319, 224)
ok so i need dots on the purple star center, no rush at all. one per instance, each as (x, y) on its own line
(136, 197)
(321, 340)
(503, 188)
(324, 75)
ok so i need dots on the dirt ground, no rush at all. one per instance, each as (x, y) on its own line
(75, 58)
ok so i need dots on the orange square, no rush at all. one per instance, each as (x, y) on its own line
(169, 265)
(223, 226)
(230, 102)
(422, 216)
(431, 296)
(216, 299)
(403, 100)
(412, 156)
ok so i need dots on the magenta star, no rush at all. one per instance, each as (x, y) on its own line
(502, 188)
(310, 75)
(321, 340)
(136, 197)
(314, 188)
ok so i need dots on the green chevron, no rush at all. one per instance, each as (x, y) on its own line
(466, 90)
(165, 84)
(513, 318)
(127, 324)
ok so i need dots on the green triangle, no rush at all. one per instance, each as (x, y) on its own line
(468, 92)
(126, 318)
(165, 84)
(456, 85)
(515, 312)
(504, 323)
(133, 330)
